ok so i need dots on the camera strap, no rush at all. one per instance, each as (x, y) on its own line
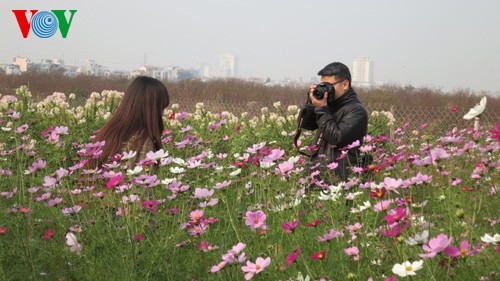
(298, 131)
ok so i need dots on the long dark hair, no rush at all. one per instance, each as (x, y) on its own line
(139, 115)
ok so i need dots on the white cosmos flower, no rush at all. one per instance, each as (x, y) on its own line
(179, 161)
(491, 239)
(129, 155)
(167, 181)
(135, 171)
(418, 239)
(476, 110)
(407, 268)
(235, 172)
(157, 155)
(294, 159)
(266, 165)
(177, 170)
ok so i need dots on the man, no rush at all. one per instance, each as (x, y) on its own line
(340, 119)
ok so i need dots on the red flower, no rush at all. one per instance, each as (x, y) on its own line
(377, 193)
(454, 109)
(49, 234)
(3, 230)
(319, 255)
(171, 116)
(314, 223)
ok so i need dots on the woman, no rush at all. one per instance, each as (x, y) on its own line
(137, 124)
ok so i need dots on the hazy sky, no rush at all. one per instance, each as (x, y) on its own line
(445, 44)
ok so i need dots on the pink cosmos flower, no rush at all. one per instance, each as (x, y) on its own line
(206, 247)
(254, 268)
(37, 165)
(256, 219)
(196, 215)
(290, 226)
(284, 168)
(352, 252)
(200, 193)
(53, 202)
(49, 181)
(382, 206)
(392, 184)
(21, 129)
(222, 185)
(436, 245)
(3, 230)
(218, 267)
(330, 235)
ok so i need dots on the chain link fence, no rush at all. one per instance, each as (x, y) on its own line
(437, 118)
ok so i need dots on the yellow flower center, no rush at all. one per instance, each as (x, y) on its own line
(408, 268)
(257, 266)
(256, 221)
(463, 252)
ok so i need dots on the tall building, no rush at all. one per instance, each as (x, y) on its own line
(230, 62)
(362, 72)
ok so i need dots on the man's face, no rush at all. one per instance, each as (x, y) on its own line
(340, 86)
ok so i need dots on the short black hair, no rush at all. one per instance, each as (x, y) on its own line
(337, 69)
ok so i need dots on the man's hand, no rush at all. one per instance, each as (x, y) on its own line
(315, 102)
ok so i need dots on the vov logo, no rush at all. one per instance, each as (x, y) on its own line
(44, 24)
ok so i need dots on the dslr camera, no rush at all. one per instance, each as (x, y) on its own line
(322, 88)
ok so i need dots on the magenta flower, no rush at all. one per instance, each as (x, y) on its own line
(290, 226)
(254, 268)
(139, 237)
(49, 234)
(151, 205)
(395, 230)
(453, 251)
(256, 219)
(396, 216)
(436, 245)
(114, 181)
(290, 259)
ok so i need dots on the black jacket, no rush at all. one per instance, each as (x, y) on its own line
(339, 124)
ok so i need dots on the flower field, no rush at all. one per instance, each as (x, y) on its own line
(229, 198)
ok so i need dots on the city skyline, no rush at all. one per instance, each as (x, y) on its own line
(445, 45)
